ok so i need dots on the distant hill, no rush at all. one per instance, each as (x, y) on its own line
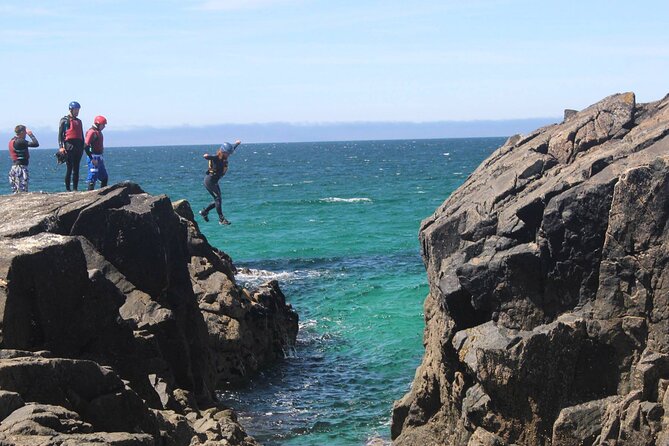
(295, 132)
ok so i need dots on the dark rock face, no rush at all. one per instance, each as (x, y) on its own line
(115, 285)
(246, 328)
(548, 312)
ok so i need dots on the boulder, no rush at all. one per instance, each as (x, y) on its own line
(43, 419)
(93, 393)
(581, 424)
(547, 301)
(9, 402)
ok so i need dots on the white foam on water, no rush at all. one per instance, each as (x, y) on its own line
(346, 200)
(310, 323)
(255, 277)
(377, 441)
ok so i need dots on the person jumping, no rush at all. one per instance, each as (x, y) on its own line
(218, 166)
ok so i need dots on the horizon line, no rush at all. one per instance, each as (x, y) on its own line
(293, 142)
(126, 128)
(283, 132)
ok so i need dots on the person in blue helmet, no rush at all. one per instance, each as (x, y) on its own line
(218, 166)
(71, 144)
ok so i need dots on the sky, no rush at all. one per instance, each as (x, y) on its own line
(204, 64)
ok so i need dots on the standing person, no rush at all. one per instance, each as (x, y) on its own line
(71, 142)
(218, 166)
(94, 147)
(18, 151)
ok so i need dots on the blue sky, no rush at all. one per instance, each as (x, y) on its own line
(209, 62)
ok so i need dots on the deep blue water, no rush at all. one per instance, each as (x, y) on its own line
(337, 225)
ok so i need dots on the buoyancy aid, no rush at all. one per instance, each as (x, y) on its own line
(12, 151)
(94, 140)
(217, 167)
(20, 155)
(73, 129)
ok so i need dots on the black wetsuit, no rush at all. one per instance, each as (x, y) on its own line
(71, 137)
(217, 168)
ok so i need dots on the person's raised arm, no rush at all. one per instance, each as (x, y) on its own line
(33, 140)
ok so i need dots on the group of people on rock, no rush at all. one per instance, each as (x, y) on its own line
(72, 143)
(71, 146)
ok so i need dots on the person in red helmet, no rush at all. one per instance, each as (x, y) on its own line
(71, 144)
(94, 147)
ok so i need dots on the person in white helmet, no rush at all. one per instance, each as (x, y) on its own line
(218, 166)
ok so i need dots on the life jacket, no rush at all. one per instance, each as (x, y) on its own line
(217, 167)
(73, 129)
(95, 140)
(12, 151)
(19, 156)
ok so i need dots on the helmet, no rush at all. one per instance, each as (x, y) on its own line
(228, 148)
(61, 157)
(100, 120)
(74, 104)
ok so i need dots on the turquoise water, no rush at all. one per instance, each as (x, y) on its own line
(336, 224)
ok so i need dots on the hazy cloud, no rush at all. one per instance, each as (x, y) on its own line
(231, 5)
(26, 11)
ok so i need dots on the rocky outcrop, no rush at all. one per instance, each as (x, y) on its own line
(547, 316)
(119, 321)
(247, 328)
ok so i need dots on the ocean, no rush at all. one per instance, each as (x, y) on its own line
(336, 223)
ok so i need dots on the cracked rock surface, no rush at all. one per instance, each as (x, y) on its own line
(118, 322)
(547, 319)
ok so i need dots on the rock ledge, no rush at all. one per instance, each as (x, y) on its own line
(119, 321)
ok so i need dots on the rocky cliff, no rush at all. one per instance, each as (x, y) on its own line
(119, 321)
(547, 316)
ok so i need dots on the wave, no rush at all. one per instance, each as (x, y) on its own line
(346, 200)
(377, 441)
(255, 277)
